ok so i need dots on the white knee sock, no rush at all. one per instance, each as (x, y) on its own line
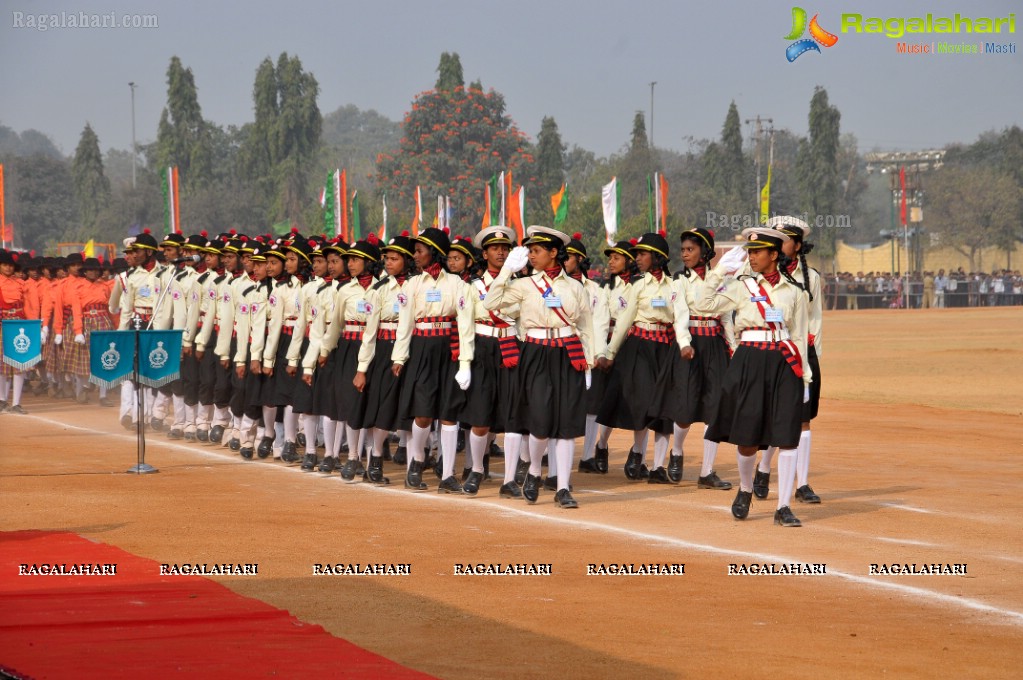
(309, 427)
(803, 459)
(643, 443)
(552, 457)
(448, 448)
(290, 424)
(746, 466)
(5, 388)
(590, 439)
(204, 416)
(329, 436)
(680, 440)
(710, 452)
(354, 442)
(379, 437)
(19, 385)
(603, 435)
(79, 385)
(221, 416)
(340, 432)
(190, 412)
(403, 436)
(639, 443)
(537, 447)
(269, 418)
(179, 412)
(661, 442)
(127, 397)
(524, 449)
(417, 443)
(512, 445)
(478, 447)
(766, 458)
(566, 449)
(786, 476)
(247, 431)
(102, 391)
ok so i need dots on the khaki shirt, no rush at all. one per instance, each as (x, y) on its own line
(143, 294)
(184, 296)
(383, 296)
(250, 317)
(455, 299)
(691, 289)
(351, 306)
(816, 307)
(284, 307)
(322, 315)
(305, 318)
(650, 301)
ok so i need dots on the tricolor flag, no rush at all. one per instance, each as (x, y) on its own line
(487, 203)
(559, 204)
(517, 210)
(902, 189)
(356, 218)
(171, 207)
(333, 206)
(765, 198)
(383, 227)
(341, 198)
(504, 200)
(660, 201)
(418, 216)
(609, 194)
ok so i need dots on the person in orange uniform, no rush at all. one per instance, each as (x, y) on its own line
(12, 306)
(89, 313)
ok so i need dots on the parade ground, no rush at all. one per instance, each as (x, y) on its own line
(916, 455)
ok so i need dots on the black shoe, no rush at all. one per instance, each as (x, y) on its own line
(246, 452)
(659, 476)
(784, 517)
(349, 470)
(495, 450)
(375, 471)
(438, 467)
(156, 424)
(308, 462)
(712, 481)
(400, 456)
(190, 436)
(472, 484)
(531, 488)
(234, 444)
(106, 402)
(510, 490)
(551, 483)
(761, 484)
(521, 470)
(16, 409)
(486, 466)
(328, 464)
(393, 437)
(461, 441)
(588, 466)
(564, 499)
(414, 476)
(289, 454)
(465, 473)
(202, 435)
(126, 423)
(740, 506)
(300, 439)
(82, 397)
(216, 434)
(675, 468)
(266, 447)
(644, 471)
(600, 457)
(175, 433)
(385, 455)
(450, 485)
(633, 465)
(805, 494)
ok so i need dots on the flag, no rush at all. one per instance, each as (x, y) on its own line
(330, 200)
(902, 187)
(517, 212)
(559, 204)
(23, 347)
(486, 206)
(111, 357)
(383, 227)
(651, 210)
(447, 213)
(501, 182)
(342, 206)
(661, 186)
(171, 204)
(609, 202)
(418, 216)
(90, 248)
(356, 218)
(765, 198)
(7, 234)
(159, 357)
(3, 215)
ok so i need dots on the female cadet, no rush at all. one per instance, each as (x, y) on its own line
(622, 267)
(650, 340)
(466, 262)
(760, 395)
(13, 304)
(208, 283)
(373, 375)
(89, 301)
(250, 330)
(491, 397)
(697, 393)
(796, 250)
(344, 338)
(302, 392)
(434, 350)
(554, 369)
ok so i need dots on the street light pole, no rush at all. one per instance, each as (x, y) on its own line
(134, 151)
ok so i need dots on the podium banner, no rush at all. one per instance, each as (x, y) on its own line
(111, 357)
(23, 347)
(159, 357)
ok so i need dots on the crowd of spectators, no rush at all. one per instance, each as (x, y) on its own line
(958, 288)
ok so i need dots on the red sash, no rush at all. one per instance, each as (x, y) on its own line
(572, 344)
(509, 344)
(788, 348)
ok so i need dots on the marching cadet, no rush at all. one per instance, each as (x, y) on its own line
(89, 301)
(621, 266)
(344, 339)
(63, 322)
(238, 265)
(760, 395)
(697, 393)
(116, 307)
(207, 332)
(170, 247)
(647, 348)
(250, 330)
(466, 262)
(493, 393)
(557, 355)
(796, 249)
(434, 349)
(12, 306)
(373, 374)
(184, 294)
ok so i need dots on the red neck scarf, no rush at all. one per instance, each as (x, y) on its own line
(494, 272)
(657, 274)
(552, 273)
(773, 278)
(327, 279)
(701, 272)
(624, 276)
(577, 275)
(792, 266)
(434, 270)
(400, 279)
(465, 275)
(219, 271)
(365, 280)
(148, 266)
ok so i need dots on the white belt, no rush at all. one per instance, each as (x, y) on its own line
(550, 333)
(652, 326)
(433, 325)
(703, 323)
(388, 325)
(354, 328)
(494, 331)
(765, 336)
(290, 323)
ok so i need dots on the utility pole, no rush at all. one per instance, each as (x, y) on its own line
(757, 135)
(652, 113)
(134, 151)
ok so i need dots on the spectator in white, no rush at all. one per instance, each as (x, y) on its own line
(940, 284)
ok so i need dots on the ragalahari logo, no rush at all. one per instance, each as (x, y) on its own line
(802, 45)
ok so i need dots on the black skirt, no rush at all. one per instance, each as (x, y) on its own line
(595, 395)
(383, 391)
(324, 403)
(302, 395)
(223, 386)
(551, 399)
(428, 388)
(190, 379)
(639, 385)
(696, 384)
(280, 387)
(811, 407)
(491, 398)
(350, 404)
(761, 401)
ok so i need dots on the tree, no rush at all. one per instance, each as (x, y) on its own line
(453, 142)
(817, 167)
(550, 159)
(449, 73)
(183, 137)
(636, 166)
(40, 200)
(92, 188)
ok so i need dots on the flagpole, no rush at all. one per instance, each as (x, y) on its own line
(141, 467)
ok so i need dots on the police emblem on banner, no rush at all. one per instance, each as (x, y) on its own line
(111, 357)
(22, 348)
(159, 357)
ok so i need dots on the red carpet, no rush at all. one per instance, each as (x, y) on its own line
(140, 624)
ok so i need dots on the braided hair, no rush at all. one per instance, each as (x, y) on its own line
(631, 267)
(804, 250)
(783, 266)
(661, 262)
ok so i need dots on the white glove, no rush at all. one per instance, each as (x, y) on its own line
(43, 334)
(57, 339)
(589, 378)
(733, 260)
(517, 259)
(463, 377)
(806, 394)
(80, 339)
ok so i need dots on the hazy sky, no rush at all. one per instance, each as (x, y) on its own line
(587, 64)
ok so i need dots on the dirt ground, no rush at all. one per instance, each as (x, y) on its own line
(916, 455)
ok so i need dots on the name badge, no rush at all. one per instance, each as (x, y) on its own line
(658, 302)
(433, 295)
(360, 307)
(774, 315)
(396, 307)
(552, 301)
(759, 298)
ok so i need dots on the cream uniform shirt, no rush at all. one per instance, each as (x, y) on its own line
(816, 308)
(423, 296)
(250, 318)
(284, 307)
(351, 307)
(650, 301)
(322, 319)
(305, 319)
(383, 296)
(143, 293)
(691, 289)
(601, 316)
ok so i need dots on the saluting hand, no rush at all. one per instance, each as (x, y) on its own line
(517, 259)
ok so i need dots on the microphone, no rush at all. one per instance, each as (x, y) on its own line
(187, 258)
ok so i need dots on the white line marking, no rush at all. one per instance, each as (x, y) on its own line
(900, 506)
(1009, 615)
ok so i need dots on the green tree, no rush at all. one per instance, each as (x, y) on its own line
(40, 200)
(183, 137)
(550, 160)
(817, 167)
(449, 73)
(91, 186)
(636, 166)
